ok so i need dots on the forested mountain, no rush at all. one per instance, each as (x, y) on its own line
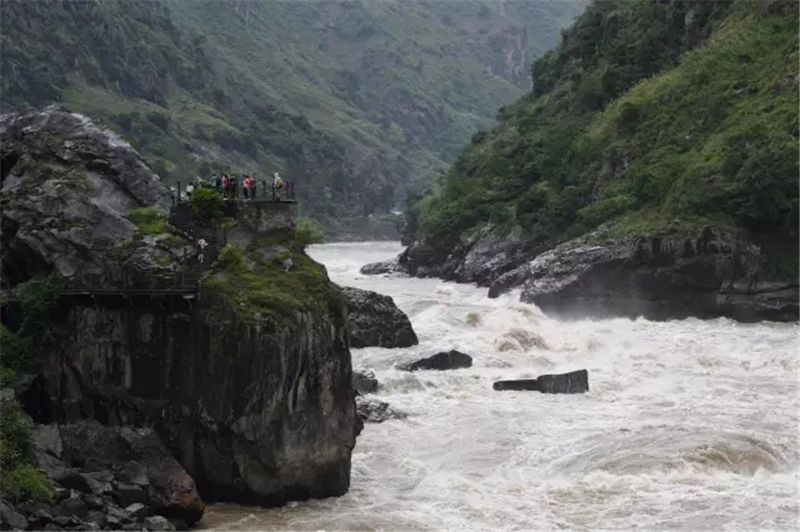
(354, 100)
(658, 118)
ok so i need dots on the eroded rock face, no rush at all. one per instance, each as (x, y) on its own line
(255, 412)
(375, 321)
(708, 276)
(66, 188)
(601, 274)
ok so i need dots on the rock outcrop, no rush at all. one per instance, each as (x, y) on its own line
(440, 361)
(707, 276)
(572, 382)
(109, 469)
(375, 321)
(373, 410)
(364, 382)
(256, 407)
(67, 186)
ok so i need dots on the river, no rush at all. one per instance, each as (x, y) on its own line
(688, 424)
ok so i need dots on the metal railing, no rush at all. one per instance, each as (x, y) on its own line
(263, 192)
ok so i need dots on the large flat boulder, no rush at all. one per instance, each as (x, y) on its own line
(375, 321)
(572, 382)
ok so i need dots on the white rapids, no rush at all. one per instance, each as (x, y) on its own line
(688, 424)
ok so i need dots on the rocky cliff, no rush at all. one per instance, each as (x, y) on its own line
(247, 383)
(652, 170)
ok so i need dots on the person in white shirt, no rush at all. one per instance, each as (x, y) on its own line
(202, 245)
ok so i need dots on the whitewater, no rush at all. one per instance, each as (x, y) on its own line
(688, 424)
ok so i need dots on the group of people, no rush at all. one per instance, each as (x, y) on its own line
(228, 185)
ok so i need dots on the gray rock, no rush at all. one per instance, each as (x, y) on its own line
(706, 276)
(373, 410)
(48, 439)
(51, 527)
(98, 518)
(72, 506)
(127, 494)
(10, 519)
(375, 321)
(69, 190)
(573, 382)
(97, 487)
(137, 511)
(62, 474)
(440, 361)
(133, 473)
(94, 502)
(173, 490)
(364, 381)
(377, 268)
(157, 523)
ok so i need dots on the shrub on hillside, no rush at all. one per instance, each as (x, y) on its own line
(305, 234)
(20, 478)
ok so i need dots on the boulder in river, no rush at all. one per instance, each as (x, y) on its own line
(375, 321)
(440, 361)
(373, 410)
(572, 382)
(364, 381)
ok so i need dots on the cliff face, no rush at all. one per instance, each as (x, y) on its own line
(257, 405)
(254, 412)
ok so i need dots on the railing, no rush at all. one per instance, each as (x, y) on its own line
(132, 282)
(263, 192)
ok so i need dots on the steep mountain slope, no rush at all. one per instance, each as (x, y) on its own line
(353, 100)
(674, 121)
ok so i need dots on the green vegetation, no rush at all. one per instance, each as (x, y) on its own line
(306, 233)
(149, 220)
(36, 333)
(20, 478)
(279, 286)
(657, 117)
(354, 101)
(207, 204)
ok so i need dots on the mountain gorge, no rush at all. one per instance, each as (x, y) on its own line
(651, 170)
(355, 101)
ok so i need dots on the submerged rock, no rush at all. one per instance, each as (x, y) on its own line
(373, 410)
(440, 361)
(375, 321)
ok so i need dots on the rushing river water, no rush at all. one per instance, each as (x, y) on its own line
(688, 425)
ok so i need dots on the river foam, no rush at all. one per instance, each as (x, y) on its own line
(688, 424)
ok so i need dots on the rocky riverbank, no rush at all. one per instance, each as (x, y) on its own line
(240, 393)
(711, 273)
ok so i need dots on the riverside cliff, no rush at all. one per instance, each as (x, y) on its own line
(652, 171)
(246, 382)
